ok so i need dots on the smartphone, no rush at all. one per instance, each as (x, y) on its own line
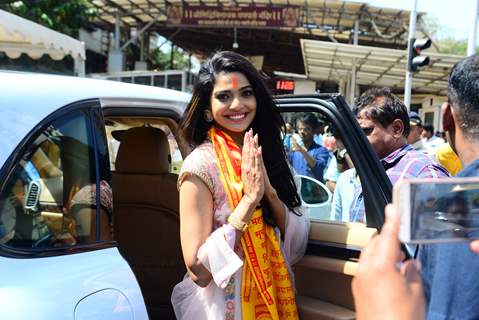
(438, 210)
(298, 140)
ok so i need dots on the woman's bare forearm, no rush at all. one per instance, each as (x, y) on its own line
(196, 225)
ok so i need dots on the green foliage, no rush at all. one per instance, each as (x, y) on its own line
(452, 46)
(430, 25)
(443, 41)
(161, 60)
(65, 16)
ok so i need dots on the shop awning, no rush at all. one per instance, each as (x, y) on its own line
(374, 66)
(19, 35)
(325, 20)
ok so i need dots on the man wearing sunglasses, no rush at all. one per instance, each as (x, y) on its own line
(385, 121)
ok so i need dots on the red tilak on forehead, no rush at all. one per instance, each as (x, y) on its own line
(234, 81)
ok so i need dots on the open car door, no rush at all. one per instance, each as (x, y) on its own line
(323, 277)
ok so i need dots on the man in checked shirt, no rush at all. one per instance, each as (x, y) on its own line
(385, 121)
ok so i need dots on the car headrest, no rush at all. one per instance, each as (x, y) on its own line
(117, 134)
(143, 150)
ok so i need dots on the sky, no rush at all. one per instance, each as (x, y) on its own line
(453, 16)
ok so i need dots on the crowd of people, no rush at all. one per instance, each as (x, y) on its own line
(421, 139)
(311, 149)
(444, 285)
(401, 142)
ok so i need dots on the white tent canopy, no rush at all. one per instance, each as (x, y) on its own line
(18, 35)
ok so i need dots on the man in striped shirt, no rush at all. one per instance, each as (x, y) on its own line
(385, 121)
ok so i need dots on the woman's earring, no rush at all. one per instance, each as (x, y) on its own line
(208, 116)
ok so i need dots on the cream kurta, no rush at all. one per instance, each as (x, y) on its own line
(217, 253)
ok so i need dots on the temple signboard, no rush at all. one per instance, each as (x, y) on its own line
(233, 16)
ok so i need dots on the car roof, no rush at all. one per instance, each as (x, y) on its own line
(54, 91)
(27, 98)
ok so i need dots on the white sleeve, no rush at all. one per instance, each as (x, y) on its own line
(218, 256)
(296, 235)
(332, 172)
(336, 210)
(337, 203)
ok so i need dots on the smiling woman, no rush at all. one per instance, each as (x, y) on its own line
(238, 200)
(233, 104)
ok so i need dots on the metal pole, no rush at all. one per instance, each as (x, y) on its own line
(408, 81)
(471, 44)
(356, 33)
(117, 31)
(352, 89)
(169, 38)
(142, 47)
(139, 33)
(115, 56)
(79, 63)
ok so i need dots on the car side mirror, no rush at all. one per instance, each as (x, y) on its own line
(312, 191)
(315, 197)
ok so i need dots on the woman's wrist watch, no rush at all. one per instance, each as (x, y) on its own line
(237, 223)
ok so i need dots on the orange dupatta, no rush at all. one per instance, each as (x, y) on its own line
(266, 289)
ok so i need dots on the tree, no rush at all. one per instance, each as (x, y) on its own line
(178, 59)
(65, 16)
(443, 42)
(453, 46)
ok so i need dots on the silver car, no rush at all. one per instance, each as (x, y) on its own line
(89, 224)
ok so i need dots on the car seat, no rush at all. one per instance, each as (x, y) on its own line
(146, 216)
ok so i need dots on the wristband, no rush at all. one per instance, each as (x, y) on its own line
(237, 223)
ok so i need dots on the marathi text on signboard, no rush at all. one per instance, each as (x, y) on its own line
(235, 16)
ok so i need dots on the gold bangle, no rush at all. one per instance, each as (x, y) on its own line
(236, 223)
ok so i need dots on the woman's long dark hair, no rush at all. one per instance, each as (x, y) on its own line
(267, 122)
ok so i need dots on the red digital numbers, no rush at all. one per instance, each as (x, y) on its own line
(285, 85)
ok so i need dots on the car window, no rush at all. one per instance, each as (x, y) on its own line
(327, 182)
(49, 199)
(313, 192)
(116, 127)
(173, 81)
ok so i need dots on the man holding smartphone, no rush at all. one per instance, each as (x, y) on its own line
(381, 289)
(451, 270)
(306, 156)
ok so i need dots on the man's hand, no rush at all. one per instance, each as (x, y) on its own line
(381, 290)
(475, 246)
(294, 145)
